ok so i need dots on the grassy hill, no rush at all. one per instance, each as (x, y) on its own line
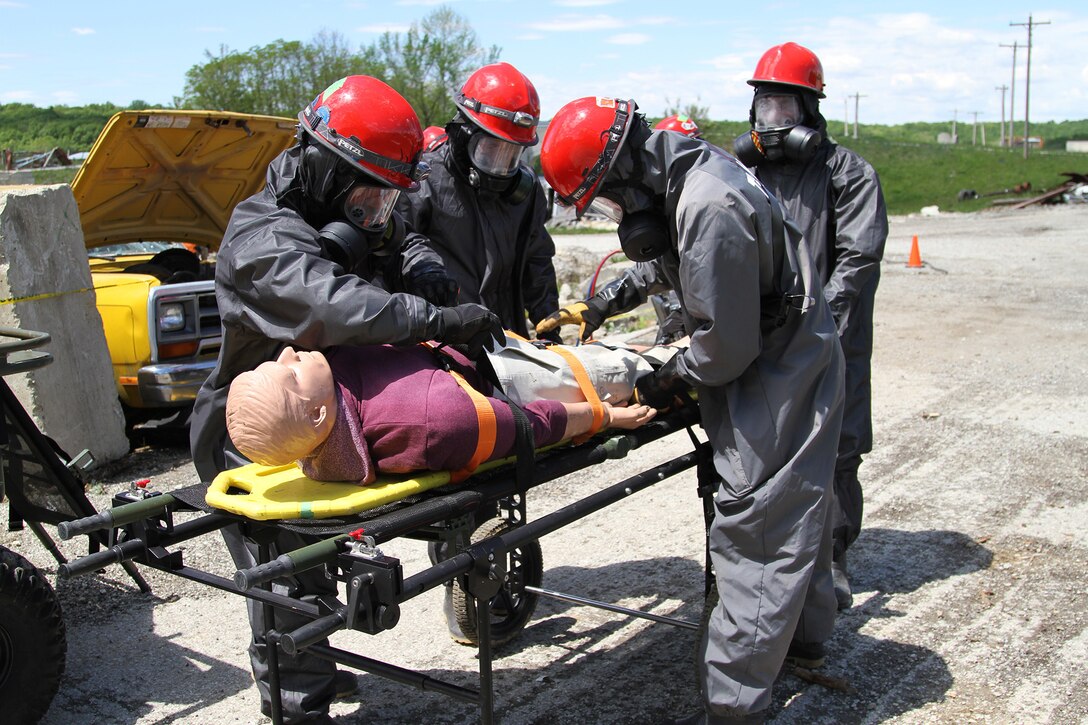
(915, 170)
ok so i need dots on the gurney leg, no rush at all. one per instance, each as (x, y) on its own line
(271, 647)
(487, 693)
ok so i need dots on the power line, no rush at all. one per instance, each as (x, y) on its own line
(1027, 82)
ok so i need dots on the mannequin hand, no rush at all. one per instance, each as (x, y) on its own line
(629, 417)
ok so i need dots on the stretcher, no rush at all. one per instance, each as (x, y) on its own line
(492, 554)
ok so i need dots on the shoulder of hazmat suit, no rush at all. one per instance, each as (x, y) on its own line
(276, 286)
(499, 252)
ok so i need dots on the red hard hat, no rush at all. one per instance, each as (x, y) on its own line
(433, 137)
(371, 126)
(581, 144)
(790, 64)
(503, 102)
(681, 123)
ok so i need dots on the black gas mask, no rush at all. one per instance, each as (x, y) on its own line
(334, 189)
(643, 225)
(489, 164)
(777, 132)
(351, 247)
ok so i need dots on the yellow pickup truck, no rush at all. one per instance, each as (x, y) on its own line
(155, 195)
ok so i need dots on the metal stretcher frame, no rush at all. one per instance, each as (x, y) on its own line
(142, 529)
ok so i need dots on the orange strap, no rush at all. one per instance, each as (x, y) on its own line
(582, 378)
(485, 417)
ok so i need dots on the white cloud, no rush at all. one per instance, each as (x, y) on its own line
(630, 39)
(6, 4)
(574, 23)
(17, 96)
(65, 98)
(83, 31)
(385, 28)
(583, 3)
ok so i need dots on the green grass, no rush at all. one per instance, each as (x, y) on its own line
(915, 171)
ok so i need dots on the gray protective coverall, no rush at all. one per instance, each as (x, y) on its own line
(275, 287)
(836, 200)
(770, 397)
(499, 253)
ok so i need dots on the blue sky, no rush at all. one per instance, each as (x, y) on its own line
(919, 61)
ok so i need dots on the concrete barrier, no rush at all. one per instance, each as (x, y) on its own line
(45, 284)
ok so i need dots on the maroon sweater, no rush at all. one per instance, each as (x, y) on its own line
(414, 416)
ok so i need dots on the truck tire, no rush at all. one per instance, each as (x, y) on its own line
(512, 607)
(32, 643)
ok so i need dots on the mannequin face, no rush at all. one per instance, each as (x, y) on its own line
(307, 377)
(306, 374)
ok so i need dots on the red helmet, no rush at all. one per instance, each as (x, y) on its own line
(581, 144)
(681, 123)
(790, 64)
(371, 126)
(433, 137)
(503, 102)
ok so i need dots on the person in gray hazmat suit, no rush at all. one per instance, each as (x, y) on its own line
(298, 266)
(763, 358)
(484, 210)
(833, 195)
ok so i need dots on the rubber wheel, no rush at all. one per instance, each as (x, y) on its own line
(512, 607)
(32, 643)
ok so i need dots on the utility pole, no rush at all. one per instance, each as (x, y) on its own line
(1012, 89)
(1001, 88)
(856, 96)
(845, 117)
(1027, 81)
(955, 138)
(974, 130)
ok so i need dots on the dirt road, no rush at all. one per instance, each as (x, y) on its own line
(971, 576)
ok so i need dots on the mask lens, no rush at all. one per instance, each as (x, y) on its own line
(607, 207)
(777, 111)
(369, 207)
(494, 156)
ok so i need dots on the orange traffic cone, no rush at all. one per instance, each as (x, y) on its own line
(915, 256)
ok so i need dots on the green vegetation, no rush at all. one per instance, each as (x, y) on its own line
(916, 171)
(439, 51)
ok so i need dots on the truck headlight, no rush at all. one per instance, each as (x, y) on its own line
(171, 317)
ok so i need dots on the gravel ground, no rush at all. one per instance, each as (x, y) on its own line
(970, 576)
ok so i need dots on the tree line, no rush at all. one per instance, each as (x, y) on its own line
(426, 64)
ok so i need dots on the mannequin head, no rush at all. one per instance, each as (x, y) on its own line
(284, 409)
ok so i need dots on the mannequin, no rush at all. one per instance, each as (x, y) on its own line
(354, 412)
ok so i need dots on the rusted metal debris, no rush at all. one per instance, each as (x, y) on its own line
(1074, 180)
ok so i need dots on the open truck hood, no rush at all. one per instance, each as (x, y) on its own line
(175, 176)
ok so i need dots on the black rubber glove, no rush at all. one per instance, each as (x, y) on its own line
(471, 325)
(659, 388)
(619, 295)
(433, 283)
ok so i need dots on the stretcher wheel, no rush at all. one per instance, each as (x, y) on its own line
(32, 641)
(512, 607)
